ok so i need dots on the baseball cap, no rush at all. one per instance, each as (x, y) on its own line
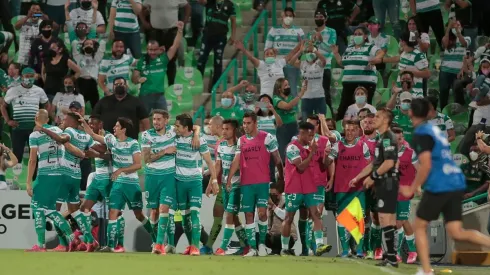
(28, 71)
(290, 10)
(405, 96)
(485, 59)
(75, 105)
(373, 20)
(321, 12)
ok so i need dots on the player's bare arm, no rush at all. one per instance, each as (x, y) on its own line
(31, 167)
(235, 165)
(425, 161)
(212, 180)
(130, 169)
(364, 173)
(74, 150)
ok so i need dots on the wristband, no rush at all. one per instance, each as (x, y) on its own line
(374, 175)
(215, 181)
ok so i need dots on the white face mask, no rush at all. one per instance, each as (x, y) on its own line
(473, 156)
(207, 129)
(287, 21)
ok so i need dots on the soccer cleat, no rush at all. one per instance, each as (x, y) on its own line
(206, 250)
(412, 257)
(388, 263)
(106, 249)
(345, 254)
(369, 255)
(421, 272)
(246, 250)
(59, 248)
(36, 248)
(187, 251)
(119, 249)
(237, 252)
(252, 252)
(378, 254)
(220, 252)
(287, 252)
(398, 258)
(322, 249)
(194, 251)
(169, 249)
(157, 249)
(262, 250)
(360, 255)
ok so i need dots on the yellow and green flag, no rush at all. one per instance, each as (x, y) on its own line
(352, 218)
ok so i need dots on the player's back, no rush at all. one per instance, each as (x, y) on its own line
(49, 152)
(80, 140)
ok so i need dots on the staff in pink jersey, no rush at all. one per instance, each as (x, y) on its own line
(252, 157)
(407, 160)
(351, 156)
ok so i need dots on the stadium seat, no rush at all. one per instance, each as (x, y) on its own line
(392, 79)
(455, 143)
(393, 47)
(380, 83)
(457, 113)
(329, 113)
(337, 74)
(181, 96)
(245, 5)
(433, 82)
(173, 110)
(190, 77)
(336, 96)
(339, 126)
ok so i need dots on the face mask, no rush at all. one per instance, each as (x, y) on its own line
(405, 106)
(373, 28)
(473, 155)
(407, 84)
(270, 60)
(81, 33)
(226, 102)
(120, 90)
(52, 53)
(86, 5)
(319, 22)
(88, 50)
(46, 33)
(28, 82)
(287, 21)
(358, 39)
(360, 99)
(207, 129)
(485, 71)
(69, 89)
(248, 97)
(264, 110)
(310, 57)
(287, 91)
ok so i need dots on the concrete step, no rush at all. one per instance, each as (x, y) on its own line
(477, 258)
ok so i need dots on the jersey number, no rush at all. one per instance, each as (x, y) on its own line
(53, 154)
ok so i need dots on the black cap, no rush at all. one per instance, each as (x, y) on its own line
(289, 9)
(75, 105)
(321, 11)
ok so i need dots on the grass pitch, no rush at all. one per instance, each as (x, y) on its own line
(16, 262)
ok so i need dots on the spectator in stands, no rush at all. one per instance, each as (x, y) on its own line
(85, 14)
(358, 70)
(62, 100)
(122, 104)
(248, 99)
(55, 67)
(454, 44)
(7, 160)
(163, 19)
(400, 112)
(323, 37)
(123, 24)
(286, 106)
(116, 66)
(197, 16)
(441, 120)
(337, 12)
(463, 11)
(41, 46)
(6, 39)
(151, 70)
(3, 81)
(362, 114)
(55, 10)
(360, 96)
(230, 109)
(465, 76)
(29, 27)
(277, 214)
(423, 39)
(284, 39)
(476, 178)
(483, 52)
(378, 38)
(381, 7)
(13, 75)
(25, 100)
(80, 31)
(429, 14)
(214, 36)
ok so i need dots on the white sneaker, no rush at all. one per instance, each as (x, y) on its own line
(421, 272)
(262, 250)
(251, 253)
(169, 249)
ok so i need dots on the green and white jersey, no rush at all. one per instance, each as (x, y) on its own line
(267, 124)
(70, 164)
(25, 104)
(283, 40)
(314, 74)
(49, 152)
(211, 142)
(452, 60)
(113, 68)
(443, 122)
(122, 157)
(103, 168)
(415, 60)
(405, 123)
(427, 5)
(126, 20)
(329, 37)
(414, 154)
(334, 153)
(356, 64)
(381, 41)
(226, 154)
(293, 152)
(156, 142)
(13, 81)
(188, 161)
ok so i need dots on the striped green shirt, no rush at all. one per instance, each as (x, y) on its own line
(126, 20)
(122, 157)
(103, 168)
(329, 37)
(452, 61)
(427, 5)
(113, 68)
(284, 40)
(25, 104)
(443, 122)
(156, 142)
(356, 64)
(188, 161)
(381, 41)
(267, 124)
(70, 164)
(415, 60)
(226, 154)
(211, 142)
(49, 153)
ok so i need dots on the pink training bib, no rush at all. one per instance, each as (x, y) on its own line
(371, 144)
(350, 163)
(407, 171)
(296, 182)
(320, 177)
(254, 160)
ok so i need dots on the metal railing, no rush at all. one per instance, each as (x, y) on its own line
(254, 33)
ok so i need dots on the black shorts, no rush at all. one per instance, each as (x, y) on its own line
(386, 195)
(371, 202)
(433, 204)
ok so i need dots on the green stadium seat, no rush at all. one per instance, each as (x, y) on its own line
(245, 5)
(329, 113)
(385, 94)
(181, 96)
(190, 59)
(457, 113)
(336, 96)
(339, 126)
(433, 82)
(393, 77)
(393, 47)
(190, 77)
(173, 110)
(455, 143)
(388, 29)
(337, 74)
(380, 83)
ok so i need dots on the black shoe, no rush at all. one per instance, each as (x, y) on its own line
(287, 252)
(105, 249)
(388, 263)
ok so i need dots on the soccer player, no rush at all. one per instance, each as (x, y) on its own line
(252, 158)
(125, 189)
(407, 159)
(188, 163)
(351, 156)
(48, 155)
(384, 177)
(300, 187)
(231, 194)
(443, 184)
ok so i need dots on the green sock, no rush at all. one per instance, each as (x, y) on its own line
(242, 236)
(149, 228)
(60, 222)
(344, 241)
(302, 233)
(360, 246)
(81, 220)
(285, 242)
(154, 227)
(399, 236)
(40, 226)
(171, 230)
(311, 236)
(162, 227)
(250, 231)
(262, 232)
(196, 227)
(215, 229)
(411, 243)
(308, 234)
(88, 225)
(112, 233)
(318, 237)
(121, 225)
(227, 233)
(61, 237)
(186, 220)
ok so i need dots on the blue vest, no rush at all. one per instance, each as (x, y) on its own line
(445, 175)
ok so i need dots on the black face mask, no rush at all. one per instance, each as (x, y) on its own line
(86, 5)
(69, 89)
(319, 22)
(52, 53)
(275, 199)
(81, 33)
(88, 50)
(120, 90)
(287, 91)
(46, 33)
(408, 84)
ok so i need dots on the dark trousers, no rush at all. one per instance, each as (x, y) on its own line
(273, 242)
(197, 16)
(459, 87)
(347, 99)
(86, 169)
(446, 81)
(327, 78)
(5, 18)
(166, 38)
(284, 135)
(132, 41)
(434, 20)
(20, 137)
(103, 9)
(88, 88)
(217, 45)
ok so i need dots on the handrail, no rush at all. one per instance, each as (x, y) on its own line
(283, 6)
(477, 197)
(254, 30)
(200, 113)
(223, 79)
